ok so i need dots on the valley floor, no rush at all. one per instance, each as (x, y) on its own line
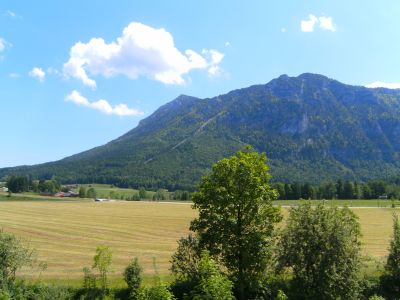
(66, 233)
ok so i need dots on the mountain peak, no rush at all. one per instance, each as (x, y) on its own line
(313, 76)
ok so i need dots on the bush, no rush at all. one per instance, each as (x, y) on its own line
(133, 277)
(321, 246)
(158, 292)
(185, 266)
(212, 284)
(14, 254)
(390, 280)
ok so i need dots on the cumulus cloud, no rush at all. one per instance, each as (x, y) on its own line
(378, 84)
(38, 73)
(102, 105)
(141, 50)
(308, 25)
(325, 23)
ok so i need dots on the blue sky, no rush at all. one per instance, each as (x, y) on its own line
(77, 74)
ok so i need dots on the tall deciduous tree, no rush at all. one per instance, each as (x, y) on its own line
(322, 247)
(102, 262)
(236, 217)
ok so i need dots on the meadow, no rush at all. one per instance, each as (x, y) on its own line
(110, 191)
(65, 233)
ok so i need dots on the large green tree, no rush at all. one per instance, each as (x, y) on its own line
(321, 245)
(236, 217)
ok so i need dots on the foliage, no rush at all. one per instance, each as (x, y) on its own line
(281, 296)
(133, 277)
(17, 184)
(91, 193)
(14, 254)
(142, 193)
(89, 279)
(376, 297)
(185, 260)
(390, 280)
(236, 217)
(102, 262)
(212, 285)
(322, 247)
(82, 192)
(159, 291)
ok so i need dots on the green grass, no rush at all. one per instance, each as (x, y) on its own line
(105, 190)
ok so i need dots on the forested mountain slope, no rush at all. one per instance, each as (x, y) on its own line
(312, 128)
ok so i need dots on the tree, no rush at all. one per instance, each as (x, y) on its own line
(236, 217)
(133, 277)
(91, 193)
(142, 193)
(348, 190)
(391, 278)
(213, 285)
(185, 261)
(17, 184)
(14, 254)
(322, 247)
(82, 192)
(102, 262)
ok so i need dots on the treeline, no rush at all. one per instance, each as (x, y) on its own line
(338, 190)
(20, 184)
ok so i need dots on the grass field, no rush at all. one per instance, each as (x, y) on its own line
(107, 191)
(66, 233)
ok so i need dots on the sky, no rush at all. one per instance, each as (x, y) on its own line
(77, 74)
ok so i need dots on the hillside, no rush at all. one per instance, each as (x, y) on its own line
(312, 128)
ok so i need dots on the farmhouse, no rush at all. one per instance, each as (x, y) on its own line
(66, 194)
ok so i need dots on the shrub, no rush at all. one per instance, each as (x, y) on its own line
(321, 245)
(133, 277)
(14, 254)
(212, 284)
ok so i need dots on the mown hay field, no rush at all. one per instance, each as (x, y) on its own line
(66, 234)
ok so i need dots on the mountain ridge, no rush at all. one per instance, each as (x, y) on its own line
(313, 128)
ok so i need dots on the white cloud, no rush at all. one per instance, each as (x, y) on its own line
(308, 25)
(10, 14)
(325, 23)
(378, 84)
(38, 73)
(102, 105)
(3, 44)
(140, 51)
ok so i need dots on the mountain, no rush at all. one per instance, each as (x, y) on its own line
(312, 128)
